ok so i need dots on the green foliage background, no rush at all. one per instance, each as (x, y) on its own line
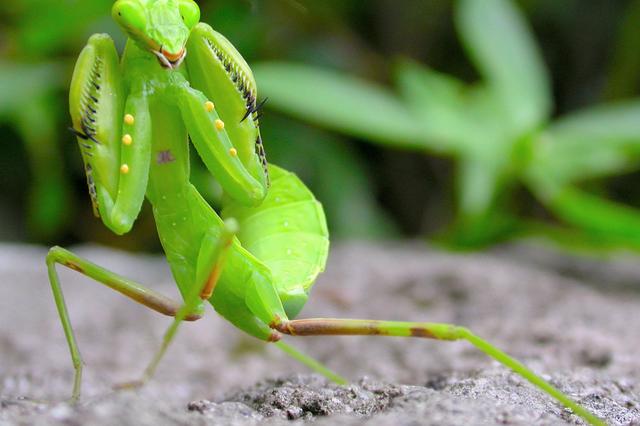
(401, 184)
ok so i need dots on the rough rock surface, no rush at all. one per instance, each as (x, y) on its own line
(579, 332)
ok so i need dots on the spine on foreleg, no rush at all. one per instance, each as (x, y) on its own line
(95, 103)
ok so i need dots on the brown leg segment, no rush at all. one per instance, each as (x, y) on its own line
(143, 295)
(345, 327)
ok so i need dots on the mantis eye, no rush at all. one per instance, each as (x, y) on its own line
(189, 12)
(130, 15)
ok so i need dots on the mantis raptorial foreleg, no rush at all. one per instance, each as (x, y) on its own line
(135, 157)
(131, 289)
(216, 149)
(114, 135)
(218, 70)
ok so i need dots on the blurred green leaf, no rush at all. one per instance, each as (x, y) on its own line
(596, 142)
(49, 197)
(599, 217)
(477, 185)
(498, 40)
(47, 26)
(606, 123)
(21, 82)
(340, 102)
(472, 233)
(439, 102)
(49, 207)
(460, 118)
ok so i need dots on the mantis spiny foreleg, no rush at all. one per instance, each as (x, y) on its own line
(114, 135)
(210, 135)
(219, 71)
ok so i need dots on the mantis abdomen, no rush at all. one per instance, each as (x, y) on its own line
(288, 233)
(282, 245)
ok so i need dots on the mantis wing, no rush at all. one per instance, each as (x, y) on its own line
(288, 233)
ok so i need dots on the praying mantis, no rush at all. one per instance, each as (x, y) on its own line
(254, 261)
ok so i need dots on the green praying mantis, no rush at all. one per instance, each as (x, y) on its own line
(256, 260)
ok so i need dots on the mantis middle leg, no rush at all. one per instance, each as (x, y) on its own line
(131, 289)
(213, 253)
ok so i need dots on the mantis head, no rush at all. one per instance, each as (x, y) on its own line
(161, 27)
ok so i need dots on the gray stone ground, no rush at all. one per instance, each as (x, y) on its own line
(571, 320)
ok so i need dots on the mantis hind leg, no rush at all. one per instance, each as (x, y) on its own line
(135, 291)
(333, 326)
